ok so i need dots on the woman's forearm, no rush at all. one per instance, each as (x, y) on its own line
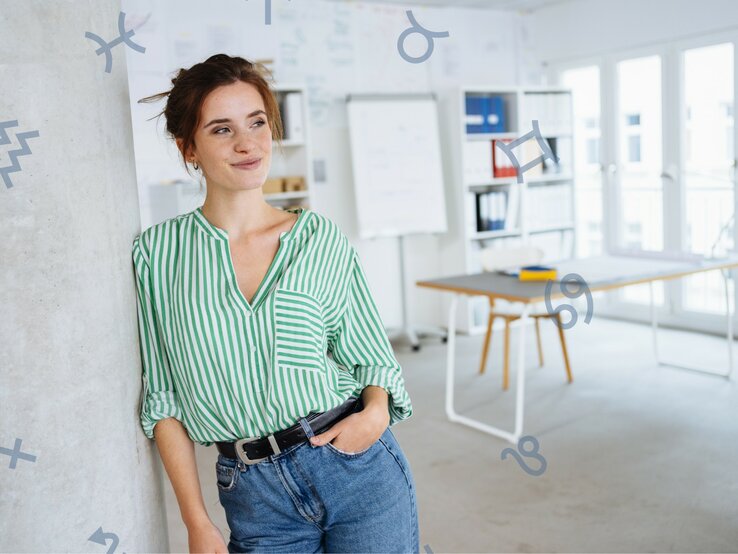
(376, 401)
(177, 452)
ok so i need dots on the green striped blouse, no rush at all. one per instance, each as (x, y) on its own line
(229, 369)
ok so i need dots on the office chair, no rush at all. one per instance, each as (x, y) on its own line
(494, 259)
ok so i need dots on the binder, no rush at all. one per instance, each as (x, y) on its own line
(475, 114)
(501, 210)
(503, 167)
(485, 114)
(477, 162)
(513, 208)
(530, 151)
(481, 212)
(293, 124)
(495, 118)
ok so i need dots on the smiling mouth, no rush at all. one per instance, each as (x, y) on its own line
(248, 165)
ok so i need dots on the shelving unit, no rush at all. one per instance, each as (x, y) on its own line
(532, 223)
(294, 159)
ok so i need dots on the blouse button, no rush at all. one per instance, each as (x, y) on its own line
(253, 348)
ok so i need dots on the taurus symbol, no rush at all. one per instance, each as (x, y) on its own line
(417, 28)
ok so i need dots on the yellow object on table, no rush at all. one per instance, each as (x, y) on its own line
(537, 273)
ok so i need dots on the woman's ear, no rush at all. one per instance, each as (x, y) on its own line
(185, 155)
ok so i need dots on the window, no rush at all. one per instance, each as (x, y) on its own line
(634, 148)
(585, 85)
(707, 167)
(633, 119)
(593, 151)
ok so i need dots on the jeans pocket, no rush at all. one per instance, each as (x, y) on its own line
(351, 455)
(226, 475)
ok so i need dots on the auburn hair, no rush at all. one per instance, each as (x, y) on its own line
(191, 86)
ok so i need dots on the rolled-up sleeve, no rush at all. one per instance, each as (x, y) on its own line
(159, 399)
(360, 344)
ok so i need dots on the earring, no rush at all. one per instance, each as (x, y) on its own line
(194, 164)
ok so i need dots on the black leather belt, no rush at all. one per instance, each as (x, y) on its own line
(254, 450)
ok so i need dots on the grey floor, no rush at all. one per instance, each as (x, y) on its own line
(640, 457)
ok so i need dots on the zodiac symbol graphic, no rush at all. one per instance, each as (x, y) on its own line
(16, 454)
(24, 150)
(268, 11)
(106, 47)
(542, 142)
(532, 453)
(582, 289)
(417, 28)
(101, 537)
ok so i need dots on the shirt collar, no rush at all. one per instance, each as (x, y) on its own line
(221, 234)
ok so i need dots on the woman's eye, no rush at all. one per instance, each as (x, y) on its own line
(258, 123)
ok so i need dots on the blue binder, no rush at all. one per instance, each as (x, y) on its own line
(495, 116)
(476, 114)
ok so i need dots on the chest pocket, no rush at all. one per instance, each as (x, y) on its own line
(298, 322)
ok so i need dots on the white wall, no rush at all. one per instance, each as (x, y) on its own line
(334, 48)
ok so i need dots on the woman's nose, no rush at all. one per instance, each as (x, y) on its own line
(244, 142)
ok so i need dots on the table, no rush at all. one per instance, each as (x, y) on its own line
(600, 273)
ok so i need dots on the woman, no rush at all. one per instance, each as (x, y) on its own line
(259, 334)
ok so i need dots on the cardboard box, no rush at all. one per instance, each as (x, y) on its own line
(292, 184)
(273, 185)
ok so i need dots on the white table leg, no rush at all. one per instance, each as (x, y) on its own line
(520, 392)
(729, 335)
(654, 322)
(729, 315)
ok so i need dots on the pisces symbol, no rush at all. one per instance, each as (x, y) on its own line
(532, 453)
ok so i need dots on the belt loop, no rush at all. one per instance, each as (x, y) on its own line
(273, 442)
(306, 427)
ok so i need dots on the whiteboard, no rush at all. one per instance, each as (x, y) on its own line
(396, 155)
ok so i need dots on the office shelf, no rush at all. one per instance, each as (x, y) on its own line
(483, 235)
(294, 158)
(490, 136)
(287, 195)
(553, 231)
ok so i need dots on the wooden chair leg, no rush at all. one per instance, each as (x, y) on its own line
(538, 341)
(563, 349)
(487, 338)
(506, 364)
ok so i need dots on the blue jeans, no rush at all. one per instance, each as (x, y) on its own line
(321, 499)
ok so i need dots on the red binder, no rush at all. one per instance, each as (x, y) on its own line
(501, 164)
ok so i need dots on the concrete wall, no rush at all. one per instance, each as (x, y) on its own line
(69, 359)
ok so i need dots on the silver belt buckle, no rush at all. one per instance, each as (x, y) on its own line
(242, 454)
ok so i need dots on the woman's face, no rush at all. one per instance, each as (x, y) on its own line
(234, 139)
